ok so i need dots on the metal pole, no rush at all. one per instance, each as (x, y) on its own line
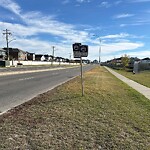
(100, 52)
(70, 58)
(7, 33)
(82, 84)
(7, 46)
(53, 55)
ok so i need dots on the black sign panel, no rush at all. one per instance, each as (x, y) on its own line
(80, 50)
(84, 50)
(76, 46)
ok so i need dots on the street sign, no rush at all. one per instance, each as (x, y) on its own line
(76, 50)
(80, 50)
(84, 50)
(77, 54)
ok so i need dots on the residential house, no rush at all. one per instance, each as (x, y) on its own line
(30, 56)
(38, 57)
(144, 64)
(146, 60)
(2, 54)
(16, 54)
(132, 61)
(117, 61)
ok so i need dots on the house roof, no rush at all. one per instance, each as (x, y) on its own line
(14, 49)
(147, 58)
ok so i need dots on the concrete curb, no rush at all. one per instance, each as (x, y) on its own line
(31, 71)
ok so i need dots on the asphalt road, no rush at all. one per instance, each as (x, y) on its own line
(19, 88)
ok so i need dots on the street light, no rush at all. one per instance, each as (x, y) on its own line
(53, 47)
(100, 48)
(69, 58)
(99, 51)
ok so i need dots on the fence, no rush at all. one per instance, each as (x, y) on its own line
(34, 63)
(139, 66)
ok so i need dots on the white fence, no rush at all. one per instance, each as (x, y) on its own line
(34, 63)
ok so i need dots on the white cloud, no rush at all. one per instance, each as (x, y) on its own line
(147, 11)
(10, 5)
(123, 16)
(139, 54)
(105, 4)
(37, 23)
(65, 1)
(118, 2)
(122, 46)
(138, 1)
(121, 35)
(83, 1)
(111, 50)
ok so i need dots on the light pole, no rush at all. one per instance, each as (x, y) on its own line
(69, 58)
(100, 48)
(99, 51)
(53, 47)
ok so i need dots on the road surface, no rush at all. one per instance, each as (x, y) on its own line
(19, 88)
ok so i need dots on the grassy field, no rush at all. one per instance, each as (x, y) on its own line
(111, 115)
(143, 77)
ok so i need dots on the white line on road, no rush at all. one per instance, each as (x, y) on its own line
(26, 79)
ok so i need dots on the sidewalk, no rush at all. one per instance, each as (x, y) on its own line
(138, 87)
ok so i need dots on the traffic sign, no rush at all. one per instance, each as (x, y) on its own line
(80, 50)
(76, 46)
(84, 50)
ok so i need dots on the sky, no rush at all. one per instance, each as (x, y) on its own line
(118, 27)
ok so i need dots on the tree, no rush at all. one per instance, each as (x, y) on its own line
(125, 61)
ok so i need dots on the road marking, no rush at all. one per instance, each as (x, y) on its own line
(26, 79)
(54, 73)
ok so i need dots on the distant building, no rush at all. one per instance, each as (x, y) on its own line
(38, 57)
(30, 56)
(3, 54)
(146, 60)
(132, 61)
(16, 54)
(95, 61)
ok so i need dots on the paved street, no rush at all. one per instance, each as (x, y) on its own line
(19, 88)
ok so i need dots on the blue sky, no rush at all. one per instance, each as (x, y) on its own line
(37, 25)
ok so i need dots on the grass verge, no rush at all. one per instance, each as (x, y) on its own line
(111, 115)
(143, 77)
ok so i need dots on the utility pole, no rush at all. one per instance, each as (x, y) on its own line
(69, 58)
(7, 33)
(100, 49)
(53, 47)
(100, 52)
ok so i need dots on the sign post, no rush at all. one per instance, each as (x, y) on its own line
(80, 51)
(82, 82)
